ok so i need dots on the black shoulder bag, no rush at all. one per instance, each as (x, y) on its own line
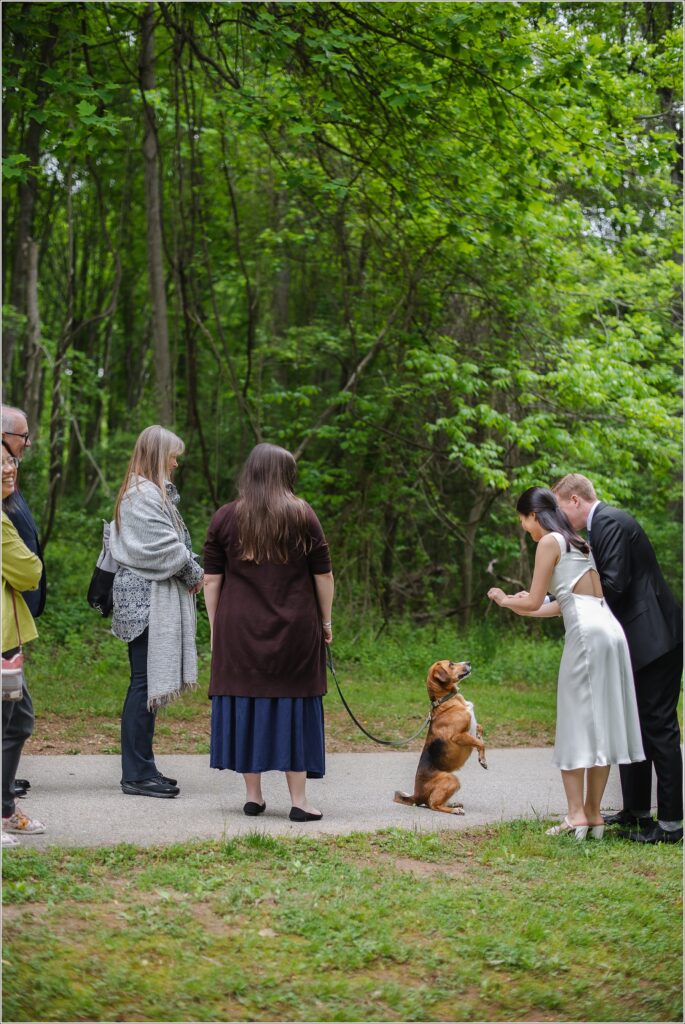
(100, 592)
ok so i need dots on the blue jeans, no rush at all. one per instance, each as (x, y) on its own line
(137, 723)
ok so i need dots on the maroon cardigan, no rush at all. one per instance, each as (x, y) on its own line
(267, 637)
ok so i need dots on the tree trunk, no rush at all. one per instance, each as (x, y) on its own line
(390, 523)
(34, 352)
(163, 382)
(56, 411)
(26, 201)
(470, 531)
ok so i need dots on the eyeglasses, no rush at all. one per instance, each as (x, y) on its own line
(10, 464)
(13, 433)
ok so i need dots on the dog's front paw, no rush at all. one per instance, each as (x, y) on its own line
(482, 762)
(458, 809)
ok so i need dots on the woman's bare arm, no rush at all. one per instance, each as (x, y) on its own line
(547, 610)
(528, 603)
(213, 584)
(324, 594)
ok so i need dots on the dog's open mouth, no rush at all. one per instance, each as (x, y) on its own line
(465, 670)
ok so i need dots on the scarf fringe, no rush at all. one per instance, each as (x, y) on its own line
(155, 703)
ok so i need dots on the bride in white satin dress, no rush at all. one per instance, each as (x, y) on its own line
(597, 719)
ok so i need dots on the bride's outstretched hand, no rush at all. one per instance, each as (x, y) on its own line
(496, 594)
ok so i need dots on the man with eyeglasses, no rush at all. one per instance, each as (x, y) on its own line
(15, 434)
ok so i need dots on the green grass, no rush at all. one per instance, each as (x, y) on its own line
(78, 671)
(512, 684)
(80, 681)
(497, 924)
(83, 676)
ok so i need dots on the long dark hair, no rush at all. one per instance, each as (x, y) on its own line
(270, 519)
(542, 502)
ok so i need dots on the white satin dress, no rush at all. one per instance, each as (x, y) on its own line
(597, 719)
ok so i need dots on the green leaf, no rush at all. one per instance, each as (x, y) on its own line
(85, 108)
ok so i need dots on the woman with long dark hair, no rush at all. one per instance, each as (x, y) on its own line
(269, 597)
(597, 720)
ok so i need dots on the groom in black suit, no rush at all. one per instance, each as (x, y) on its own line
(639, 597)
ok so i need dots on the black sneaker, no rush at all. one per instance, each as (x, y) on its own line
(150, 787)
(165, 778)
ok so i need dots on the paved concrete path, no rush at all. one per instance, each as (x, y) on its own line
(79, 799)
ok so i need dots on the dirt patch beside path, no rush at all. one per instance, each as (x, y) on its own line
(56, 734)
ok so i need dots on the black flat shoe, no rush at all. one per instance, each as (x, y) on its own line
(297, 814)
(22, 784)
(251, 809)
(150, 787)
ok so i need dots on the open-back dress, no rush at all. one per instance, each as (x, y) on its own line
(597, 719)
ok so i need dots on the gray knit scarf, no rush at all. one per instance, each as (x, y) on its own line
(150, 542)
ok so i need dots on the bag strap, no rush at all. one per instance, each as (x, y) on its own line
(16, 617)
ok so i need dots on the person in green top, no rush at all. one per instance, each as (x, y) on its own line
(21, 570)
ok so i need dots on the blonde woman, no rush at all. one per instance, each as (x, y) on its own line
(154, 602)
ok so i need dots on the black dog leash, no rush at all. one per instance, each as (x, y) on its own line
(385, 743)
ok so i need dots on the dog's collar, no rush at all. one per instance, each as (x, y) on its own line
(456, 692)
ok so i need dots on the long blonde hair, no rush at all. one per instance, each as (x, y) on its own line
(150, 459)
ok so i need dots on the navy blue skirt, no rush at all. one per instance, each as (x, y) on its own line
(268, 734)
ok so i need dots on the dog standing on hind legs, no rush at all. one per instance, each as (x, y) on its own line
(452, 735)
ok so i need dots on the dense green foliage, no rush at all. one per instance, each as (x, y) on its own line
(432, 248)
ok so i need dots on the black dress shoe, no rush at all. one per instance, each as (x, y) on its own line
(297, 814)
(252, 809)
(165, 778)
(21, 787)
(657, 834)
(624, 819)
(150, 787)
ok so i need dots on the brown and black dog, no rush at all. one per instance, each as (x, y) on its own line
(452, 735)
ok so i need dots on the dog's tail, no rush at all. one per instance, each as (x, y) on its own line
(404, 798)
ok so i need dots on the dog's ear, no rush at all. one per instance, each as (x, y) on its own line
(440, 675)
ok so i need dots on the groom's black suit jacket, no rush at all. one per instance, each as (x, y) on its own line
(634, 586)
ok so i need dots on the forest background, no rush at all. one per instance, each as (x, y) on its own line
(433, 249)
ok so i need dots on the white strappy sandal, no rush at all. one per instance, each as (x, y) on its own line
(580, 831)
